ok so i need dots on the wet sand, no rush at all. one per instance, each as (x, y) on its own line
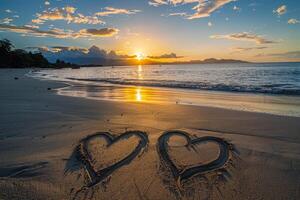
(40, 132)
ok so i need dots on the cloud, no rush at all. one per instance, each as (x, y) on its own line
(6, 21)
(56, 49)
(203, 8)
(245, 36)
(40, 49)
(60, 33)
(104, 32)
(293, 21)
(165, 56)
(81, 19)
(47, 3)
(8, 11)
(67, 14)
(31, 26)
(55, 14)
(293, 55)
(243, 49)
(66, 48)
(38, 21)
(157, 2)
(236, 8)
(116, 11)
(178, 14)
(70, 9)
(33, 31)
(71, 15)
(209, 24)
(289, 54)
(79, 55)
(280, 10)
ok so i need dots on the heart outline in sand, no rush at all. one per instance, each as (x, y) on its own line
(97, 176)
(189, 171)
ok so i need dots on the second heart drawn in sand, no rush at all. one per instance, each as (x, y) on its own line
(183, 173)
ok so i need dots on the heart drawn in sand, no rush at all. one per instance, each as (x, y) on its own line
(84, 155)
(192, 170)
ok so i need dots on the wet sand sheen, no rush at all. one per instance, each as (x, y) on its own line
(272, 104)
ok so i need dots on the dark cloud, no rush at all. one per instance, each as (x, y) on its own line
(80, 55)
(164, 56)
(33, 31)
(104, 32)
(60, 33)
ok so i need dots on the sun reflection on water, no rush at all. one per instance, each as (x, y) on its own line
(140, 69)
(140, 72)
(138, 94)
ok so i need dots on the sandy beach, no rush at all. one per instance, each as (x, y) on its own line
(60, 147)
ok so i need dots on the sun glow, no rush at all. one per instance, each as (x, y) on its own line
(140, 56)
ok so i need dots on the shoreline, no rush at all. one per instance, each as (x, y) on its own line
(139, 81)
(286, 105)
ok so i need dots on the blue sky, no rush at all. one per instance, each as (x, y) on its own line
(254, 30)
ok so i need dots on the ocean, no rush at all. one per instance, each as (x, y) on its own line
(273, 85)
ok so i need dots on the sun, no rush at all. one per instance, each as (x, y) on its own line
(139, 56)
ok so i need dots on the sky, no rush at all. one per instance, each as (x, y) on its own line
(252, 30)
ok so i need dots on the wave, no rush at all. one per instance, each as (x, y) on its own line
(283, 89)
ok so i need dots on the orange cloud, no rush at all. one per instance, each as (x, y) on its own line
(280, 10)
(244, 37)
(293, 21)
(165, 56)
(203, 8)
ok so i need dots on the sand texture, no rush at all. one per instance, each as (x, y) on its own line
(59, 147)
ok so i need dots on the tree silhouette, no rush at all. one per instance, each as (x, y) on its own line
(19, 58)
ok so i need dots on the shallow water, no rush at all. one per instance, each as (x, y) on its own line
(266, 88)
(270, 78)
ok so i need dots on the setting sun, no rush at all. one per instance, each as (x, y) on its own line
(140, 56)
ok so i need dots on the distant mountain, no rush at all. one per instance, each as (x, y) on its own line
(96, 56)
(214, 61)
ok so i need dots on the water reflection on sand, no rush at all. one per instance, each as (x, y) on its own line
(280, 105)
(94, 89)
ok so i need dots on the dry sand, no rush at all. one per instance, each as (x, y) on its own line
(254, 156)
